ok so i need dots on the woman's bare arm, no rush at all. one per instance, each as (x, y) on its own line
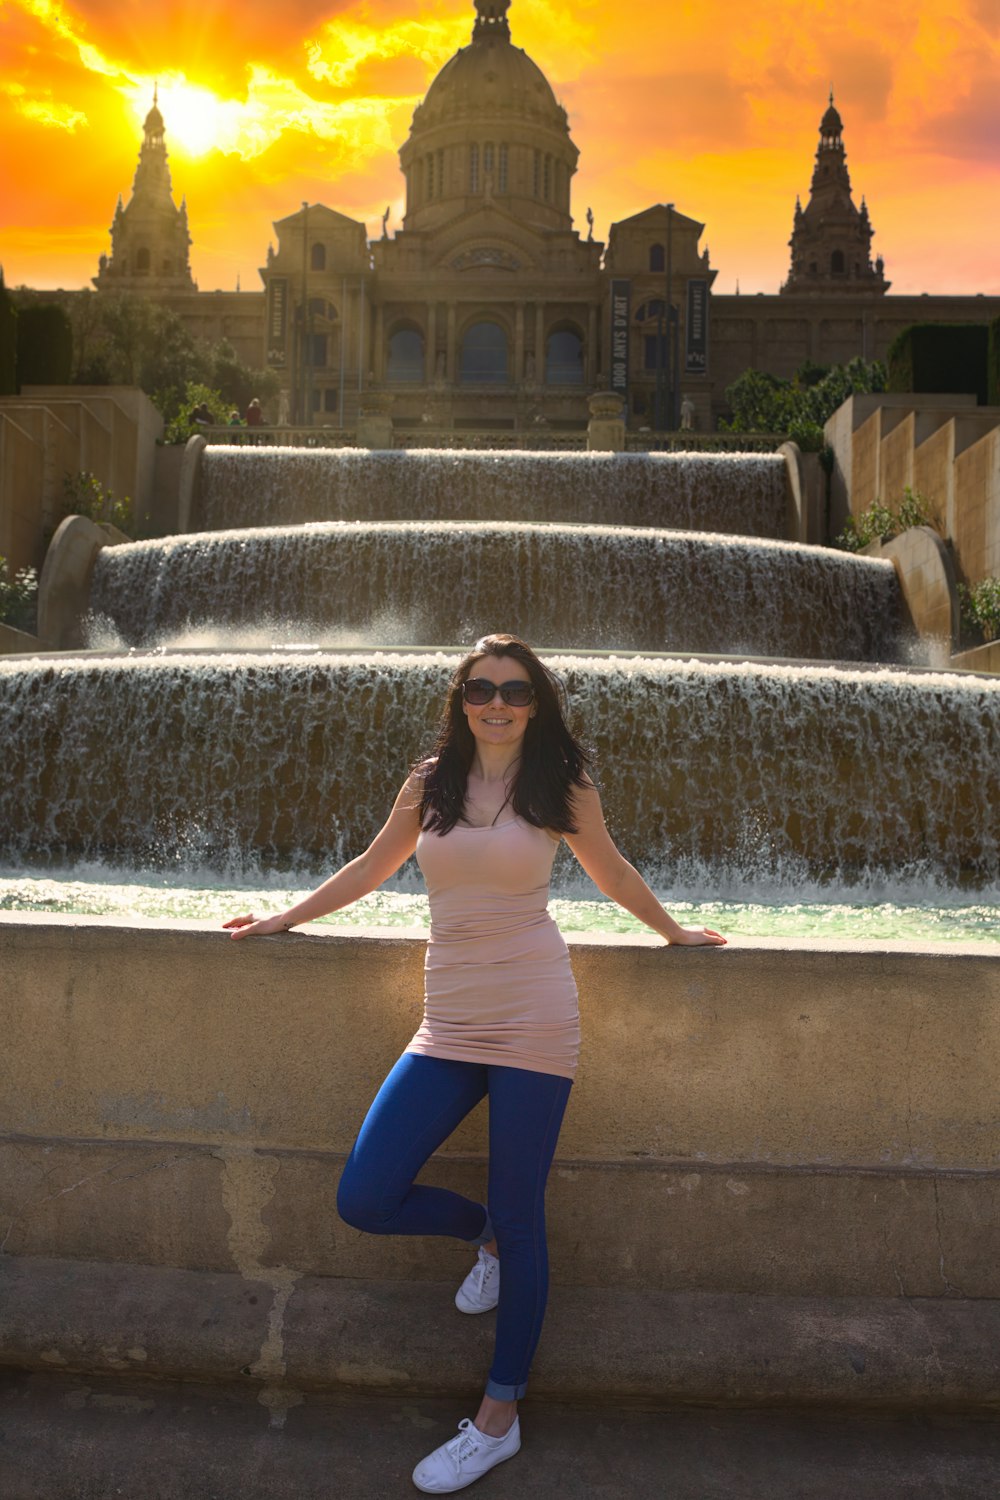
(391, 847)
(616, 878)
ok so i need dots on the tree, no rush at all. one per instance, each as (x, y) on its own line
(128, 340)
(44, 345)
(798, 407)
(8, 341)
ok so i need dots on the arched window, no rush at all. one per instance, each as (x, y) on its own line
(474, 168)
(430, 175)
(502, 171)
(657, 260)
(317, 258)
(656, 308)
(547, 179)
(564, 357)
(488, 159)
(484, 355)
(406, 355)
(142, 261)
(837, 263)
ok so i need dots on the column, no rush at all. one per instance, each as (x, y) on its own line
(430, 345)
(378, 353)
(590, 361)
(451, 372)
(540, 342)
(518, 343)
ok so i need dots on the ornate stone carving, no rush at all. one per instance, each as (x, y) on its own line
(485, 255)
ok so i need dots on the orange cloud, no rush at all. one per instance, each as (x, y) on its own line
(666, 103)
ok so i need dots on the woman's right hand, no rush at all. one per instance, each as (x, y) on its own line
(251, 926)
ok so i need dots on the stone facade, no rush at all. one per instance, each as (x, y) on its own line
(488, 310)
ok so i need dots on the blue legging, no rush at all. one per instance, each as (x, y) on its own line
(415, 1110)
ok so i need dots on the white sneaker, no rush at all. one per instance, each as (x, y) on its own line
(480, 1291)
(464, 1459)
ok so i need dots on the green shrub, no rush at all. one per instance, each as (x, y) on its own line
(993, 363)
(879, 523)
(18, 597)
(981, 607)
(85, 495)
(44, 345)
(940, 359)
(8, 341)
(179, 426)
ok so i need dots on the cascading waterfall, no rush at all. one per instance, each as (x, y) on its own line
(254, 754)
(247, 761)
(741, 493)
(428, 583)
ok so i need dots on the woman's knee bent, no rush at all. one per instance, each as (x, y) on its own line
(361, 1205)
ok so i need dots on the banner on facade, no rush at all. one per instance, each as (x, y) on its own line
(620, 297)
(696, 343)
(277, 316)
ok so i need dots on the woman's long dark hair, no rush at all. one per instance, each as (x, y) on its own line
(552, 761)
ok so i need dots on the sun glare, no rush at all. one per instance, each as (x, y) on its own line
(195, 117)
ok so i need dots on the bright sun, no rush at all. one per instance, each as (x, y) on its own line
(194, 116)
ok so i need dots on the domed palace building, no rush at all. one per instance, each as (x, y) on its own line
(487, 311)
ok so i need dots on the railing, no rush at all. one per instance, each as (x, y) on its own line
(403, 437)
(535, 439)
(704, 442)
(279, 437)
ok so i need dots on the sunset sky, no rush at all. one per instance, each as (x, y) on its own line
(714, 106)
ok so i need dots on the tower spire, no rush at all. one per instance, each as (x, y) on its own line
(831, 238)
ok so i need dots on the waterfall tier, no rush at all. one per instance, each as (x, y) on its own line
(430, 583)
(229, 762)
(742, 493)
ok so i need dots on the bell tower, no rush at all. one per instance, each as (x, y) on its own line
(150, 239)
(831, 238)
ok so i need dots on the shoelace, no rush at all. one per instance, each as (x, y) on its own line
(465, 1445)
(483, 1271)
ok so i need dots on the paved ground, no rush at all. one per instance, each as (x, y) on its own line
(65, 1438)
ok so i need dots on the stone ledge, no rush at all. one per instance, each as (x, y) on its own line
(285, 1337)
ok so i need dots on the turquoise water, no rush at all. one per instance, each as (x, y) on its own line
(105, 894)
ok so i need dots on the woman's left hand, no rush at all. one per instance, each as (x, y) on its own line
(697, 937)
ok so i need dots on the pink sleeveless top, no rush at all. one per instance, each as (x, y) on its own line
(498, 985)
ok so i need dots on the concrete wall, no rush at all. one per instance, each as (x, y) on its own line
(926, 576)
(17, 642)
(944, 447)
(49, 432)
(773, 1117)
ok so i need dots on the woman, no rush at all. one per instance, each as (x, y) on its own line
(484, 815)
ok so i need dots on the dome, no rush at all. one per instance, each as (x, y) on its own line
(489, 131)
(831, 123)
(154, 122)
(490, 77)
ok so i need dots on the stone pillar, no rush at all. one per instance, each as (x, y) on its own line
(375, 420)
(430, 345)
(590, 358)
(378, 353)
(518, 343)
(606, 428)
(451, 366)
(540, 342)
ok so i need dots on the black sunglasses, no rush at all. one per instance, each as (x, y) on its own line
(479, 691)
